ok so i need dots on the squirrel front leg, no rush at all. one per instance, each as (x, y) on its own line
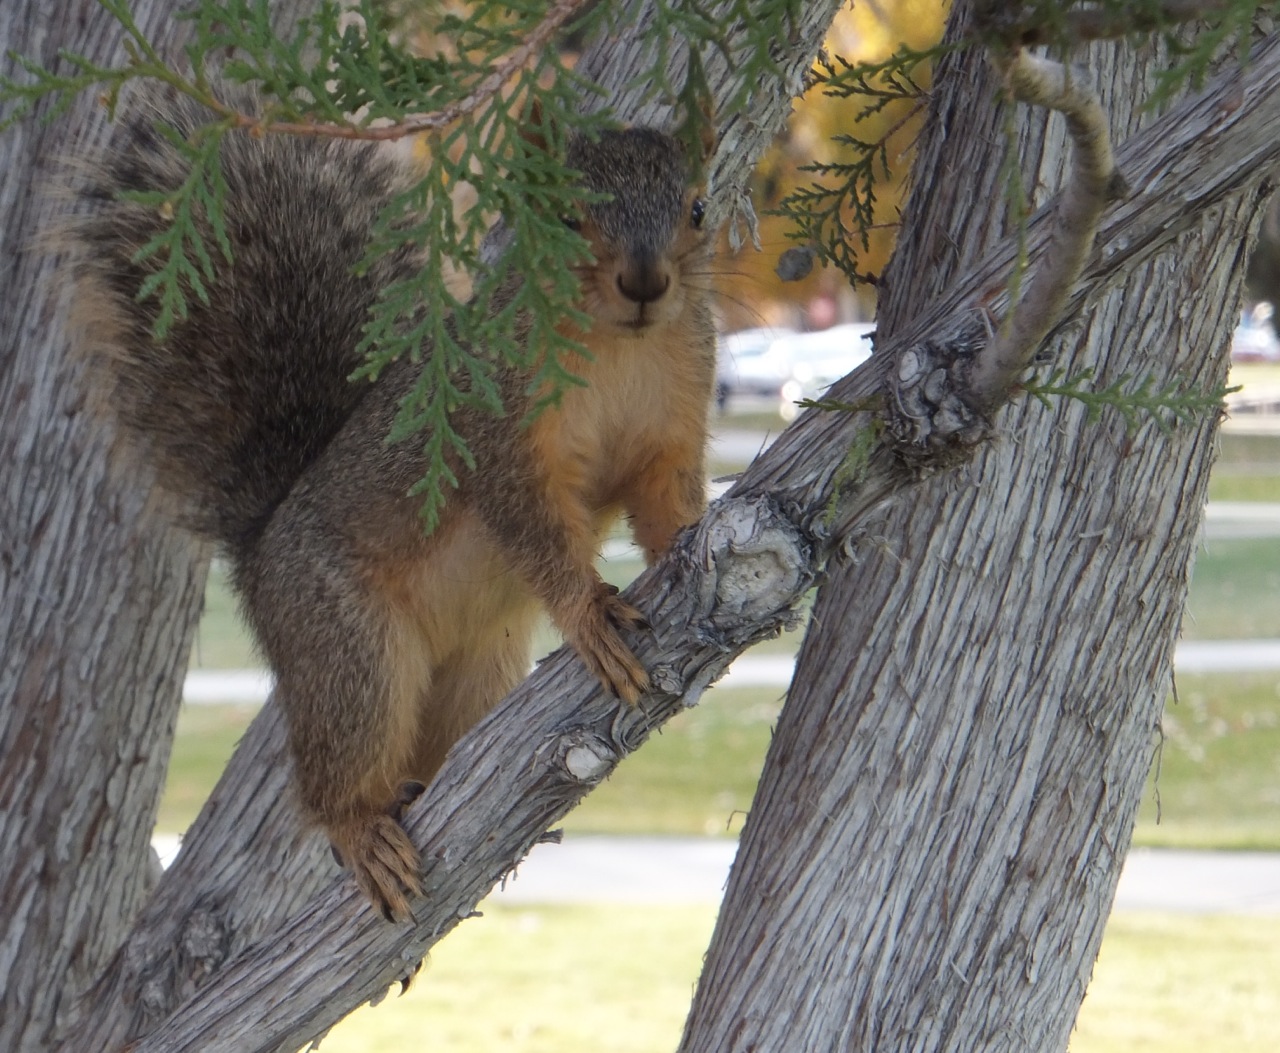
(668, 493)
(539, 516)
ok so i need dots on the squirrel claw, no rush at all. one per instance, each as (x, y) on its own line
(382, 860)
(595, 636)
(406, 981)
(409, 792)
(623, 615)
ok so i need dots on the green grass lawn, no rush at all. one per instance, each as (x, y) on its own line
(1219, 767)
(1218, 785)
(1247, 469)
(1248, 466)
(1183, 984)
(581, 979)
(545, 980)
(1235, 591)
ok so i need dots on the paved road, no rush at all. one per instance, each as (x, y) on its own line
(676, 870)
(1230, 520)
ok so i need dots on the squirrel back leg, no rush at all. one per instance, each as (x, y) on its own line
(466, 685)
(350, 672)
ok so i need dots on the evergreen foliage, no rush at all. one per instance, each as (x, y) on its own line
(835, 214)
(834, 218)
(347, 72)
(1136, 399)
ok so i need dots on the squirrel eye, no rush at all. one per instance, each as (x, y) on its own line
(696, 212)
(572, 222)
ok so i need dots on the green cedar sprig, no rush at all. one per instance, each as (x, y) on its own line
(1136, 399)
(185, 260)
(835, 215)
(743, 33)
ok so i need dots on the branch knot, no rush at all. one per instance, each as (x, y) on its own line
(932, 424)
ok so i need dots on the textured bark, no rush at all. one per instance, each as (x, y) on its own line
(97, 603)
(952, 787)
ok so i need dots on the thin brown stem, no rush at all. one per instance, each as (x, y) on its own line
(557, 16)
(1092, 184)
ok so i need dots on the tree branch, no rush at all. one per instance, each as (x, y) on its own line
(538, 38)
(1093, 183)
(1077, 27)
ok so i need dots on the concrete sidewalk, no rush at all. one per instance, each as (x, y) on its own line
(694, 870)
(751, 670)
(684, 870)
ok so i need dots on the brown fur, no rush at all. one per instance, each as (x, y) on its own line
(388, 644)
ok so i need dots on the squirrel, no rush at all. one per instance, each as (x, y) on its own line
(388, 643)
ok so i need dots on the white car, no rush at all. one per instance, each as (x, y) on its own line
(746, 366)
(817, 360)
(1254, 339)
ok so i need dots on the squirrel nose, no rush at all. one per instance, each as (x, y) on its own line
(641, 280)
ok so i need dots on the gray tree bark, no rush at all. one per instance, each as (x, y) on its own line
(951, 790)
(97, 601)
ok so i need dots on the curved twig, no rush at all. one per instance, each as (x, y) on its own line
(1092, 184)
(559, 13)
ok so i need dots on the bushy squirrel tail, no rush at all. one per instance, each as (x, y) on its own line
(241, 395)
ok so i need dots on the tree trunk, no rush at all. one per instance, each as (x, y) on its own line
(952, 786)
(99, 603)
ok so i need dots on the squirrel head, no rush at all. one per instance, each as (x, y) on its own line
(647, 237)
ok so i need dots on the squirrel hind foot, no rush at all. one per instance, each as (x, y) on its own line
(382, 859)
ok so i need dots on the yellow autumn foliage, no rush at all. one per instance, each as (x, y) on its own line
(751, 293)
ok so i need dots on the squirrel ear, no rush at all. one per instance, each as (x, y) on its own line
(697, 134)
(707, 131)
(534, 127)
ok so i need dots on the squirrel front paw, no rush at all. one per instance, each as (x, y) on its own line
(381, 858)
(594, 634)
